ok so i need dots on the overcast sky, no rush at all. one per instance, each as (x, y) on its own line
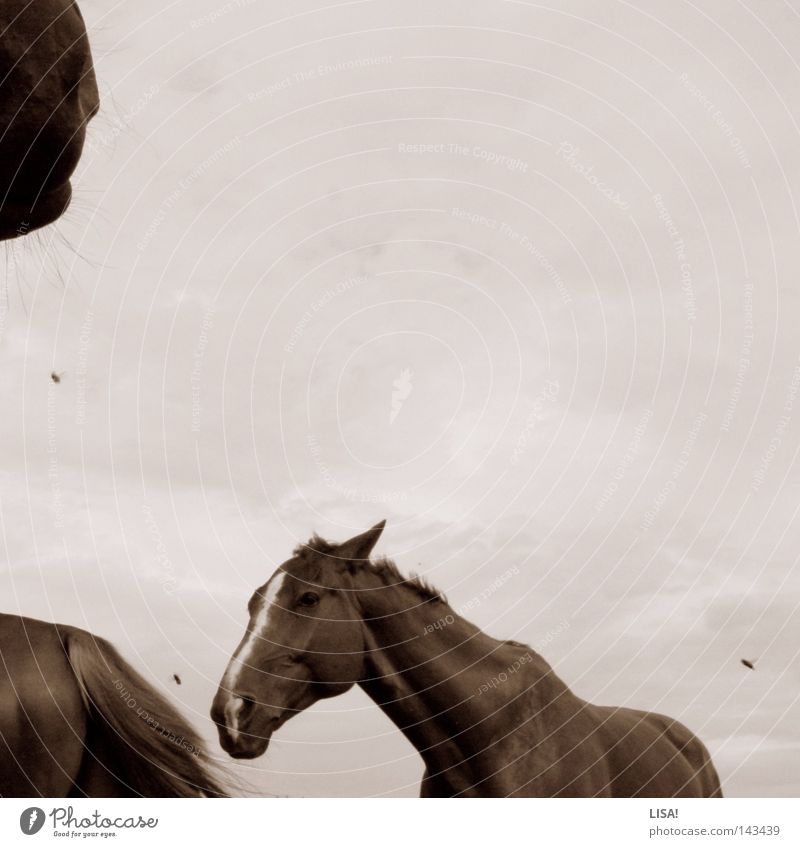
(521, 280)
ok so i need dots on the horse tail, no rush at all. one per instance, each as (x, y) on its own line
(150, 746)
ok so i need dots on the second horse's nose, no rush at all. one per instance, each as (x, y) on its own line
(237, 711)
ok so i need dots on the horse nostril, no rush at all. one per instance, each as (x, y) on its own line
(248, 704)
(237, 711)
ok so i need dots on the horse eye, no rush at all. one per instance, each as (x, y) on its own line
(309, 599)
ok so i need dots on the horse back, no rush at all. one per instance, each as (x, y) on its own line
(652, 755)
(42, 716)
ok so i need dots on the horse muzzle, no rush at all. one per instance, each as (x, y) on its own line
(245, 727)
(19, 217)
(48, 94)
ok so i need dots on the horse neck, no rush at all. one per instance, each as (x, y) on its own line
(448, 686)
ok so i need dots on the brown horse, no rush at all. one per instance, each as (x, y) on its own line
(77, 720)
(488, 717)
(48, 94)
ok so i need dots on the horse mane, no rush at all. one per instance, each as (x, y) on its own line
(388, 571)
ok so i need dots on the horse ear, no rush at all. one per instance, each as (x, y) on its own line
(360, 546)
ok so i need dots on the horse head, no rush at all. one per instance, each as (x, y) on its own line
(304, 642)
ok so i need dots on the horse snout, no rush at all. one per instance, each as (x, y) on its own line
(231, 713)
(234, 716)
(238, 710)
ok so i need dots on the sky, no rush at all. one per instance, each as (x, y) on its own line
(519, 278)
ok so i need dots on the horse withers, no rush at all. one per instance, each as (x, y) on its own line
(48, 93)
(77, 720)
(489, 718)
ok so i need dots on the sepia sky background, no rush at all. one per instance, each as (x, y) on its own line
(573, 227)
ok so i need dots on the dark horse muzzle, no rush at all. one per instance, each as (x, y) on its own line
(245, 726)
(48, 93)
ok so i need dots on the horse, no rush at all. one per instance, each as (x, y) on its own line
(489, 718)
(77, 720)
(48, 94)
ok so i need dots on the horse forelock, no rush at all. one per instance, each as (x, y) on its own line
(315, 546)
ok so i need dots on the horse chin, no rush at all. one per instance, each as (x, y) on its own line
(19, 217)
(252, 752)
(248, 747)
(253, 740)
